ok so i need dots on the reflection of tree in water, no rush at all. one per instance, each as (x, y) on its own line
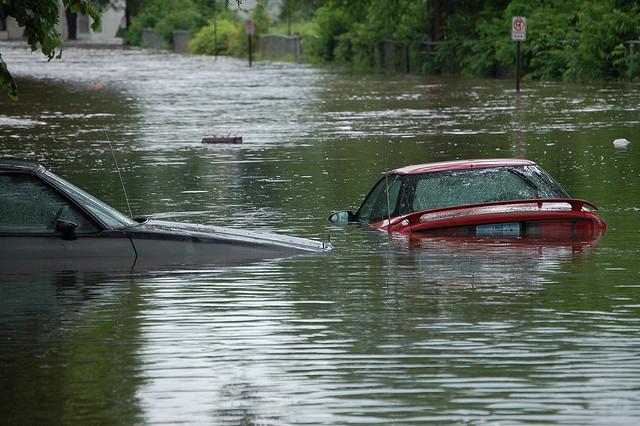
(518, 128)
(70, 346)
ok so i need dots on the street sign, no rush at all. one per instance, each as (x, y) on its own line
(249, 28)
(518, 28)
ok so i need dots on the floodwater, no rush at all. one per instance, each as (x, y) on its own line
(378, 331)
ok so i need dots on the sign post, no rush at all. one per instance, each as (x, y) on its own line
(518, 34)
(250, 29)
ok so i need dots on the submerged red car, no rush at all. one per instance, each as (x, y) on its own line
(476, 198)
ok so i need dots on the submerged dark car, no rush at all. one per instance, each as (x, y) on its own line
(44, 218)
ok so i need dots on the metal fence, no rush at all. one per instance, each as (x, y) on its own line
(150, 38)
(400, 57)
(181, 41)
(390, 55)
(278, 46)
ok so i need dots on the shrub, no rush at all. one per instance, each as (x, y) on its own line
(210, 42)
(331, 23)
(602, 28)
(165, 16)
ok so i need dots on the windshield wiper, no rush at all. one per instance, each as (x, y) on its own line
(527, 180)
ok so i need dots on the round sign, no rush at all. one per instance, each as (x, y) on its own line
(519, 23)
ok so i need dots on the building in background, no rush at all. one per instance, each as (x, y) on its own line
(78, 27)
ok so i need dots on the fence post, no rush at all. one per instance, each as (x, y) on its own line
(298, 47)
(181, 41)
(407, 58)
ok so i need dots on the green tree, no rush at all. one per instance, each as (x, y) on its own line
(578, 40)
(292, 9)
(166, 16)
(603, 28)
(39, 19)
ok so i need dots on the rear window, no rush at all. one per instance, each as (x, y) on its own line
(460, 187)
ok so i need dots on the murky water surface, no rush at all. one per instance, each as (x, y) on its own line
(377, 331)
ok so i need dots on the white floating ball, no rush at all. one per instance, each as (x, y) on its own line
(621, 143)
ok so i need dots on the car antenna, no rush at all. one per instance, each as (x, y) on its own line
(119, 174)
(386, 183)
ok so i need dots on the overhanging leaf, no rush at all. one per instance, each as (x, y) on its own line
(7, 81)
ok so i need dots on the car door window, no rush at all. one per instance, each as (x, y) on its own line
(374, 208)
(105, 213)
(29, 206)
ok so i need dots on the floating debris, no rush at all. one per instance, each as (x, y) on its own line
(621, 143)
(222, 139)
(95, 86)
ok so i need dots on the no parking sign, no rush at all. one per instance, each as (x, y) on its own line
(518, 28)
(249, 27)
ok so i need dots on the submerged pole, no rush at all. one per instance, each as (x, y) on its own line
(518, 34)
(250, 29)
(517, 66)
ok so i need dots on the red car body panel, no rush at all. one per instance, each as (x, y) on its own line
(553, 218)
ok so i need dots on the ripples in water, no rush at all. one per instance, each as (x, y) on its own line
(380, 330)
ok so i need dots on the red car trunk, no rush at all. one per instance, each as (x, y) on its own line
(549, 219)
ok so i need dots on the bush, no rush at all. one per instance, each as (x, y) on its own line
(210, 42)
(602, 28)
(238, 45)
(187, 20)
(331, 23)
(165, 16)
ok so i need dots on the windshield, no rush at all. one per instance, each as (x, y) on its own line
(109, 216)
(436, 190)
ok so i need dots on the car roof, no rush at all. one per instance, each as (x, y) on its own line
(18, 165)
(461, 165)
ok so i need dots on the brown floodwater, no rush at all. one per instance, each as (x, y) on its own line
(378, 331)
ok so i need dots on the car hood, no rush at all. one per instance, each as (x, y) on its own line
(169, 230)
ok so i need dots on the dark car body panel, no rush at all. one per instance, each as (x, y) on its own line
(107, 251)
(154, 243)
(187, 243)
(102, 244)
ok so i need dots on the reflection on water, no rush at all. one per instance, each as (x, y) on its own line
(69, 347)
(468, 262)
(380, 330)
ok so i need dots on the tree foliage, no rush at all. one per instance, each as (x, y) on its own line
(577, 40)
(216, 37)
(167, 16)
(39, 19)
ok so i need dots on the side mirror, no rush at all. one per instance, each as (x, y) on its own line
(66, 228)
(342, 217)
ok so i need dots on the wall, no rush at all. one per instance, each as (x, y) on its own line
(112, 18)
